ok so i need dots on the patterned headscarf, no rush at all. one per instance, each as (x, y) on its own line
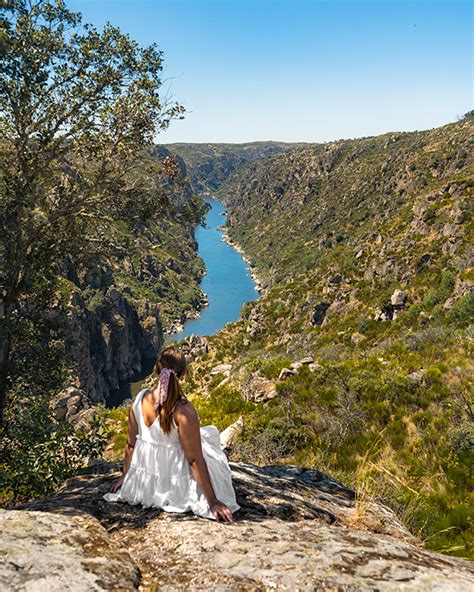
(163, 382)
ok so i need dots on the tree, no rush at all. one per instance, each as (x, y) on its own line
(77, 109)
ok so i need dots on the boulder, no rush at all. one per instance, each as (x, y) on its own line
(229, 435)
(259, 389)
(285, 372)
(385, 314)
(391, 310)
(306, 360)
(70, 404)
(221, 369)
(398, 299)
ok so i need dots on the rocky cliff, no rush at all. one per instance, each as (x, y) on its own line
(297, 529)
(121, 305)
(110, 345)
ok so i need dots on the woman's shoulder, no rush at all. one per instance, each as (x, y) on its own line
(140, 393)
(184, 408)
(183, 403)
(139, 396)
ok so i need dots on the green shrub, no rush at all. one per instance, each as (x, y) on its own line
(223, 406)
(115, 423)
(271, 367)
(462, 311)
(39, 451)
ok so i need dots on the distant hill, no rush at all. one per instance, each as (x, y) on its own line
(297, 210)
(209, 165)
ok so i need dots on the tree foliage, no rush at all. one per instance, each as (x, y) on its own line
(78, 108)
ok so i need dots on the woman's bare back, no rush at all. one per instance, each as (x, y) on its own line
(149, 412)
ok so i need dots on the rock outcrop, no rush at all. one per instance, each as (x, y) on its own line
(231, 433)
(259, 389)
(46, 551)
(297, 529)
(195, 346)
(109, 344)
(221, 369)
(319, 312)
(255, 323)
(73, 405)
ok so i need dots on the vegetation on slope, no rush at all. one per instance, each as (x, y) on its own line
(366, 246)
(153, 259)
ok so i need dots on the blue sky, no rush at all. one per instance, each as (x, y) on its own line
(303, 70)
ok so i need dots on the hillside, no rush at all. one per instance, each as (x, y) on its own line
(357, 357)
(209, 165)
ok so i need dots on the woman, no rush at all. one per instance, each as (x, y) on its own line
(170, 462)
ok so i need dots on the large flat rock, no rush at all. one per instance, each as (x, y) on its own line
(297, 530)
(54, 552)
(273, 554)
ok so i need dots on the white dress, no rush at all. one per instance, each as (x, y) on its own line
(160, 476)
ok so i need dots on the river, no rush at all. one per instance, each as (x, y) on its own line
(227, 283)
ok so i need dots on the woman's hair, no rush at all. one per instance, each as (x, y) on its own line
(170, 357)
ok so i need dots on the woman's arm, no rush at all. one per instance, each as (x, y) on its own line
(129, 446)
(187, 420)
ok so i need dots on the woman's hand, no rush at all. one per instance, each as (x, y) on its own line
(118, 484)
(220, 510)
